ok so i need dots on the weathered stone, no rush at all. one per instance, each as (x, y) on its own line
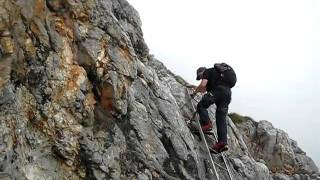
(81, 98)
(296, 177)
(4, 19)
(5, 176)
(5, 70)
(6, 95)
(280, 153)
(248, 168)
(7, 43)
(280, 177)
(313, 176)
(56, 5)
(39, 29)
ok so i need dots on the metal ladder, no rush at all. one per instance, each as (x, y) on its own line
(214, 164)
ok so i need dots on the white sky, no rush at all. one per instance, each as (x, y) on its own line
(274, 46)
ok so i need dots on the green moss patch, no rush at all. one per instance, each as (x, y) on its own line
(238, 119)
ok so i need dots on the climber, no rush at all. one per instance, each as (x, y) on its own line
(217, 82)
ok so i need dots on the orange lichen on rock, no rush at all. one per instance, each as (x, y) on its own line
(29, 47)
(106, 98)
(77, 77)
(39, 8)
(80, 14)
(67, 56)
(89, 101)
(62, 29)
(34, 28)
(126, 54)
(7, 43)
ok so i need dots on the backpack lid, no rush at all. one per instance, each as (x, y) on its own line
(221, 67)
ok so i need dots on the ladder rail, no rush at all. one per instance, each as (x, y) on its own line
(216, 139)
(205, 141)
(207, 147)
(221, 167)
(224, 159)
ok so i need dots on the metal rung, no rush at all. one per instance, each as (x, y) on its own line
(220, 166)
(205, 141)
(222, 154)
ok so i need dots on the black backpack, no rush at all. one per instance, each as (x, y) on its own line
(227, 74)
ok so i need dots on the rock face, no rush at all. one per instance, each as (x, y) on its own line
(81, 98)
(273, 146)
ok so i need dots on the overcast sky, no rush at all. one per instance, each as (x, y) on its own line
(273, 45)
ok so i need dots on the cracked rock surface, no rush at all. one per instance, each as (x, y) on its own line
(82, 98)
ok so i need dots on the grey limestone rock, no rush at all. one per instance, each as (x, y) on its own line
(280, 153)
(280, 177)
(82, 98)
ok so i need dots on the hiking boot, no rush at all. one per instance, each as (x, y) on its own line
(219, 147)
(207, 127)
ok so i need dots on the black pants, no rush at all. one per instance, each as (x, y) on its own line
(221, 96)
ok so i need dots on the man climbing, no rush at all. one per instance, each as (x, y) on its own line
(217, 82)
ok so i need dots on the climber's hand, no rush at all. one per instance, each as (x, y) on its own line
(194, 87)
(193, 94)
(190, 86)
